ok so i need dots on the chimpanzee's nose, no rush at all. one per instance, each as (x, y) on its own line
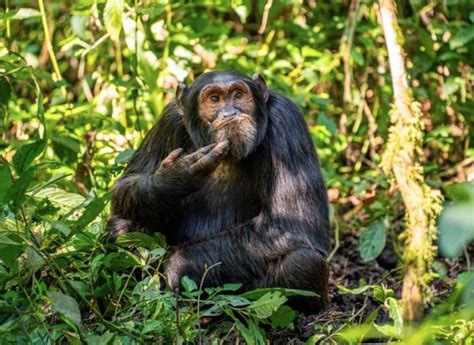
(229, 112)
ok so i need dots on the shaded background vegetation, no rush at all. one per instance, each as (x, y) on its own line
(81, 82)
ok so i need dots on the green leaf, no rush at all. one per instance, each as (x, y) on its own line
(283, 317)
(5, 181)
(34, 261)
(113, 13)
(252, 334)
(241, 8)
(387, 330)
(10, 249)
(65, 305)
(19, 14)
(124, 156)
(456, 228)
(233, 300)
(26, 154)
(346, 291)
(60, 197)
(121, 260)
(17, 192)
(327, 122)
(372, 241)
(231, 287)
(449, 87)
(188, 284)
(50, 181)
(137, 239)
(258, 293)
(61, 226)
(466, 285)
(4, 240)
(461, 192)
(4, 91)
(265, 306)
(91, 212)
(395, 313)
(381, 293)
(104, 339)
(462, 37)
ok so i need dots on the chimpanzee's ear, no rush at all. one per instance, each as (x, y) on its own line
(257, 78)
(179, 95)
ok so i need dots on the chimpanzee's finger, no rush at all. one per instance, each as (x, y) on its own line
(210, 161)
(171, 158)
(195, 156)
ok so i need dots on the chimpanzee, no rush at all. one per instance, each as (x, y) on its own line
(229, 175)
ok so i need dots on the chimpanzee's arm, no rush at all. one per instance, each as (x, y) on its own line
(139, 197)
(287, 243)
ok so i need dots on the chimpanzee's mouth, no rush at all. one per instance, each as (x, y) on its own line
(241, 117)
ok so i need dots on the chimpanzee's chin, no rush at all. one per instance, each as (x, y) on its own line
(238, 151)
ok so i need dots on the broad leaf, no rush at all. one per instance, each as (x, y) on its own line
(17, 192)
(65, 305)
(4, 240)
(283, 317)
(137, 239)
(395, 312)
(60, 197)
(124, 156)
(258, 293)
(26, 154)
(265, 306)
(372, 241)
(456, 228)
(4, 91)
(121, 260)
(113, 13)
(91, 212)
(188, 284)
(5, 181)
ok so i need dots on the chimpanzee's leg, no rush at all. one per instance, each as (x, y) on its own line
(304, 269)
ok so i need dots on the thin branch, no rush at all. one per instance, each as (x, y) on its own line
(266, 12)
(49, 45)
(345, 48)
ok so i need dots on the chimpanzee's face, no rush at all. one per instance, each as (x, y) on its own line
(223, 106)
(228, 109)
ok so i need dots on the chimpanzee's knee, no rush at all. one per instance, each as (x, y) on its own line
(304, 269)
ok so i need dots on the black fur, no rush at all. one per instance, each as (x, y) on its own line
(266, 222)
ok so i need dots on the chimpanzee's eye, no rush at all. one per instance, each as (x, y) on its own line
(238, 95)
(214, 98)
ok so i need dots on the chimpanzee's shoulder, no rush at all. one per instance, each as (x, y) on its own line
(284, 114)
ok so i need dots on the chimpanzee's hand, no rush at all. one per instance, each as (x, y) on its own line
(187, 173)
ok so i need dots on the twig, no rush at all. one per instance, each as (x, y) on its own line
(346, 46)
(372, 129)
(49, 46)
(266, 12)
(336, 239)
(201, 284)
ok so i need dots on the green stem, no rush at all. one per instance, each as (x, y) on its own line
(118, 58)
(49, 45)
(7, 10)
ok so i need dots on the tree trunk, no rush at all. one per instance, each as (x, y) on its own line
(400, 162)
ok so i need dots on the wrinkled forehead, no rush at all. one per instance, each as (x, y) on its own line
(220, 79)
(224, 86)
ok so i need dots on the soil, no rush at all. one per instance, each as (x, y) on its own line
(348, 270)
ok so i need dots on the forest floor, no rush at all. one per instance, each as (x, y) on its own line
(348, 270)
